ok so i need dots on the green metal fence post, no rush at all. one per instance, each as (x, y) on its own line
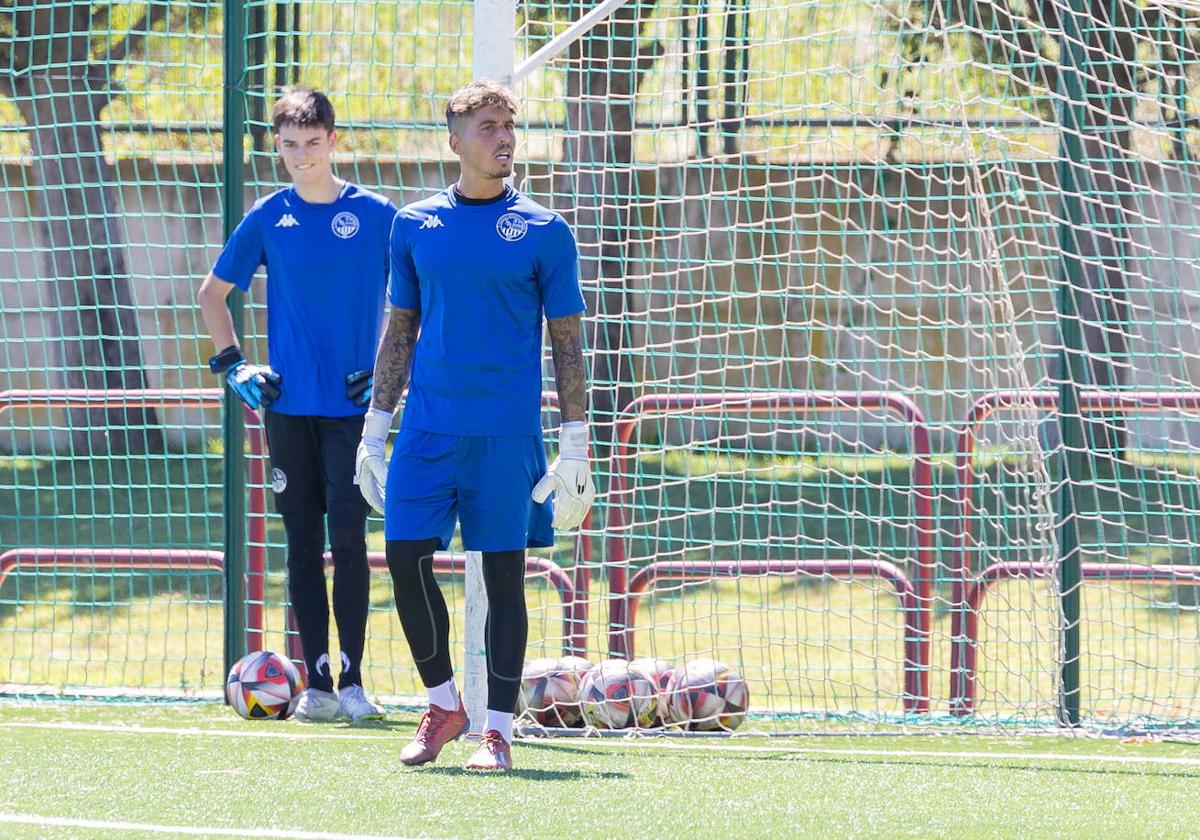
(233, 426)
(1072, 177)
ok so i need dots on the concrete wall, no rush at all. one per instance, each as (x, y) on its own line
(935, 282)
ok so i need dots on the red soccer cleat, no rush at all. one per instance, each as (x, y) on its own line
(438, 727)
(494, 753)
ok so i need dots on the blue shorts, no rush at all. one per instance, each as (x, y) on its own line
(482, 482)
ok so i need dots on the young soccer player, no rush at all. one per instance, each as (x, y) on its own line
(324, 243)
(475, 267)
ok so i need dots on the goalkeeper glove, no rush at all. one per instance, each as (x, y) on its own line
(370, 463)
(569, 478)
(359, 387)
(255, 385)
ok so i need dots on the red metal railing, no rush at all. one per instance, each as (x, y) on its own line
(1008, 570)
(574, 636)
(572, 590)
(44, 398)
(916, 598)
(967, 593)
(142, 559)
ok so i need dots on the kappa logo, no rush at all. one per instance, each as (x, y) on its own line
(430, 223)
(278, 480)
(345, 225)
(511, 227)
(287, 220)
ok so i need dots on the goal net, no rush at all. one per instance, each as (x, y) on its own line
(825, 246)
(891, 313)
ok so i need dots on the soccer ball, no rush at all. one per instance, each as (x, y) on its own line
(705, 695)
(614, 696)
(571, 670)
(658, 672)
(263, 686)
(549, 694)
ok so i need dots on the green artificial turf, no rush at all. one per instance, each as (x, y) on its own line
(210, 771)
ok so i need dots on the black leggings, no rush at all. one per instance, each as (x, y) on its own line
(351, 589)
(426, 621)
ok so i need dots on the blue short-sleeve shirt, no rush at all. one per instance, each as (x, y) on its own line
(327, 273)
(483, 276)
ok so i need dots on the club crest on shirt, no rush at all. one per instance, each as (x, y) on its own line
(345, 225)
(278, 480)
(511, 227)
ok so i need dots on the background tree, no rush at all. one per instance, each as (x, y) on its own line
(1125, 53)
(59, 58)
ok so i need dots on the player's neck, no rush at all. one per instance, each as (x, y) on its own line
(479, 189)
(323, 191)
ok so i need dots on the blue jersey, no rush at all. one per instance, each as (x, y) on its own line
(326, 279)
(483, 275)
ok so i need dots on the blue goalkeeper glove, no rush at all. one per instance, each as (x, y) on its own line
(359, 387)
(255, 385)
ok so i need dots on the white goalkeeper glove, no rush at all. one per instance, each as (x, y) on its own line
(569, 478)
(370, 464)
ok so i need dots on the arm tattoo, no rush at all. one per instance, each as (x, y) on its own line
(566, 342)
(393, 362)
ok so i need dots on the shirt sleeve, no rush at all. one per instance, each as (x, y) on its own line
(404, 290)
(558, 271)
(243, 253)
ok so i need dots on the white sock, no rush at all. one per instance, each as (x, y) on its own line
(501, 722)
(444, 696)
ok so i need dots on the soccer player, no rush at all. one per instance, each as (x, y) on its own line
(474, 269)
(324, 243)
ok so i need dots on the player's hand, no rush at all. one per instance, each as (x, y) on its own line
(359, 387)
(370, 464)
(255, 385)
(569, 478)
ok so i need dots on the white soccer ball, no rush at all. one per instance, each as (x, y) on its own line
(549, 694)
(706, 695)
(658, 672)
(614, 696)
(263, 686)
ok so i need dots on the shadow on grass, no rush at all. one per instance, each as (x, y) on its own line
(561, 748)
(533, 775)
(378, 725)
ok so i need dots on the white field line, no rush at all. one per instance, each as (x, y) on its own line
(183, 830)
(816, 751)
(634, 743)
(191, 730)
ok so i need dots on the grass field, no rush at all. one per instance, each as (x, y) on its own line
(129, 770)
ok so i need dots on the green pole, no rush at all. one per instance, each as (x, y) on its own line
(1072, 178)
(233, 427)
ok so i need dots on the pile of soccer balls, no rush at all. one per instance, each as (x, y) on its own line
(701, 696)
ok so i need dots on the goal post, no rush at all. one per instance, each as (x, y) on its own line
(494, 57)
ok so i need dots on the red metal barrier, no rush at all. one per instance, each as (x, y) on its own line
(457, 564)
(644, 577)
(919, 598)
(1008, 570)
(42, 398)
(967, 592)
(85, 559)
